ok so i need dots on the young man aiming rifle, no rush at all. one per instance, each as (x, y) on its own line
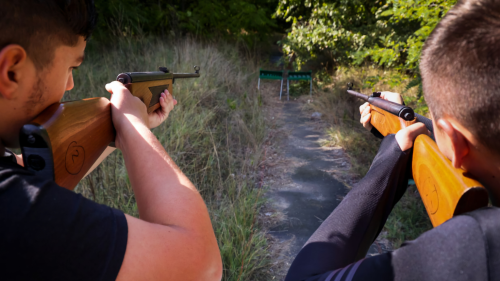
(460, 67)
(50, 233)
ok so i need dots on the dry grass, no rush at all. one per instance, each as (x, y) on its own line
(215, 135)
(408, 219)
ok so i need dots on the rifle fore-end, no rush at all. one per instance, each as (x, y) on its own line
(65, 140)
(149, 92)
(387, 123)
(148, 86)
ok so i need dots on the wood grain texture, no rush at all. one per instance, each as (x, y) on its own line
(142, 91)
(387, 123)
(79, 131)
(445, 190)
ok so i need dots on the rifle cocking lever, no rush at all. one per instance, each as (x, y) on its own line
(196, 69)
(350, 85)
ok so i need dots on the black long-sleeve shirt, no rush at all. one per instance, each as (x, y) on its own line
(466, 247)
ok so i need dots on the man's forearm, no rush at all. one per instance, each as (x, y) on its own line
(164, 194)
(345, 236)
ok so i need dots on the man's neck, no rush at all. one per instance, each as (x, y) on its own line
(491, 180)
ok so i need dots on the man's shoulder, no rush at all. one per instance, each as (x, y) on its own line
(462, 248)
(19, 188)
(56, 233)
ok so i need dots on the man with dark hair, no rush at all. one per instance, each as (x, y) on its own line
(50, 233)
(460, 66)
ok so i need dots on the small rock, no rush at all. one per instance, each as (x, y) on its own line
(316, 115)
(268, 214)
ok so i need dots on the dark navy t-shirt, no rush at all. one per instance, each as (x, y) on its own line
(50, 233)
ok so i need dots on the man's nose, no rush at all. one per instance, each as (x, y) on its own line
(70, 83)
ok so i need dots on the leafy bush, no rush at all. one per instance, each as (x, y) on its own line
(389, 32)
(246, 20)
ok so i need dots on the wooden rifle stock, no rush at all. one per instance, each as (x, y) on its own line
(445, 190)
(64, 141)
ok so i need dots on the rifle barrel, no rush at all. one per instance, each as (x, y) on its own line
(163, 74)
(186, 75)
(404, 112)
(358, 95)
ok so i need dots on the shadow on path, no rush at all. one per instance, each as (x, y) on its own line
(309, 193)
(312, 193)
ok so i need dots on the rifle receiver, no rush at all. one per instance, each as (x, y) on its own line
(148, 86)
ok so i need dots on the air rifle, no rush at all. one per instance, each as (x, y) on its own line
(65, 140)
(445, 191)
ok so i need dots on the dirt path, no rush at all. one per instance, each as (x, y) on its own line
(306, 181)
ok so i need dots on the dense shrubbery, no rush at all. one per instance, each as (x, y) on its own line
(248, 20)
(389, 32)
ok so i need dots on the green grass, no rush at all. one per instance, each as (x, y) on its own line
(341, 111)
(408, 219)
(216, 143)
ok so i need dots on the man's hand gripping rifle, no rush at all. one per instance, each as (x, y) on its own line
(445, 190)
(64, 141)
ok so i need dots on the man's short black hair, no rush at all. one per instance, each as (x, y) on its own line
(460, 67)
(40, 26)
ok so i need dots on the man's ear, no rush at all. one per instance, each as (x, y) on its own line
(12, 60)
(459, 144)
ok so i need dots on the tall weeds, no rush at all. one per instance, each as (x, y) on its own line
(214, 135)
(341, 111)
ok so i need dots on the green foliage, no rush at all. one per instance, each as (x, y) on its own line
(246, 20)
(411, 23)
(298, 88)
(389, 32)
